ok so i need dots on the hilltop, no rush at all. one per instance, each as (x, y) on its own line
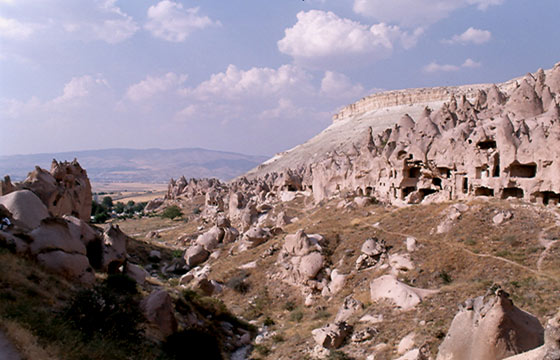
(142, 166)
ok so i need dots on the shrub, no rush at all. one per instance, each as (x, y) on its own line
(109, 309)
(445, 277)
(172, 212)
(296, 315)
(238, 283)
(268, 321)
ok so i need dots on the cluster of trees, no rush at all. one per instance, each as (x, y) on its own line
(106, 209)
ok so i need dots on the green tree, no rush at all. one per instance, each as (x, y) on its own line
(172, 212)
(107, 202)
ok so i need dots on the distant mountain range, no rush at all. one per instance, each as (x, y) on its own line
(131, 165)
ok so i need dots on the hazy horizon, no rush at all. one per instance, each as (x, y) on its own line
(247, 77)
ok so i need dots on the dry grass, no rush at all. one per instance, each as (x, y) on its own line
(25, 342)
(462, 263)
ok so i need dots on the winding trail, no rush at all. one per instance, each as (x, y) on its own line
(156, 231)
(7, 350)
(537, 272)
(548, 244)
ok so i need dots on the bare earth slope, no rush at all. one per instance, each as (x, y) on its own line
(378, 111)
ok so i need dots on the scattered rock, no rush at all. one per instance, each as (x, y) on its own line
(196, 255)
(405, 297)
(158, 309)
(332, 336)
(406, 344)
(364, 334)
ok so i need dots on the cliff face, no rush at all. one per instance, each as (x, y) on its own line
(487, 140)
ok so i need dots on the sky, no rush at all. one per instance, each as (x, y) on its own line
(249, 76)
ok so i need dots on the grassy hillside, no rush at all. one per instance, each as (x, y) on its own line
(462, 263)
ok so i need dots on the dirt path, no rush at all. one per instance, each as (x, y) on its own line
(513, 263)
(7, 350)
(156, 231)
(548, 244)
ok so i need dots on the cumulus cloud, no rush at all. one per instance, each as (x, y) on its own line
(434, 67)
(471, 35)
(153, 85)
(170, 21)
(101, 20)
(16, 30)
(416, 12)
(80, 87)
(470, 63)
(324, 35)
(255, 82)
(337, 85)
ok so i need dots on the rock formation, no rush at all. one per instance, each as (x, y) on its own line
(65, 189)
(490, 328)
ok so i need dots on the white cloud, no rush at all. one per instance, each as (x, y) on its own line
(115, 31)
(471, 35)
(434, 67)
(338, 85)
(485, 4)
(323, 35)
(16, 30)
(80, 87)
(100, 20)
(255, 82)
(470, 63)
(416, 12)
(169, 21)
(151, 86)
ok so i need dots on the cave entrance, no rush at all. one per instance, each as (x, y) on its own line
(523, 170)
(484, 191)
(512, 192)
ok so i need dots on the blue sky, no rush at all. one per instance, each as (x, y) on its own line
(250, 76)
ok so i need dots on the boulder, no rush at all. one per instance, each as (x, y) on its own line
(55, 234)
(310, 265)
(349, 307)
(26, 208)
(332, 336)
(13, 243)
(114, 248)
(65, 190)
(489, 328)
(255, 237)
(154, 256)
(300, 244)
(405, 297)
(80, 229)
(196, 255)
(210, 239)
(136, 273)
(158, 310)
(406, 344)
(551, 348)
(73, 266)
(364, 334)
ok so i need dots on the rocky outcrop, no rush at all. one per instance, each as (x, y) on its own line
(25, 208)
(300, 258)
(46, 217)
(65, 189)
(403, 296)
(490, 328)
(485, 140)
(158, 309)
(551, 348)
(332, 336)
